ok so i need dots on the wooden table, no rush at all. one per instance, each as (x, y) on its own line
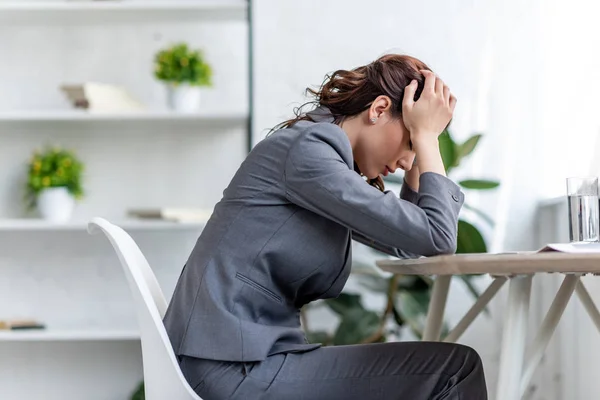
(516, 366)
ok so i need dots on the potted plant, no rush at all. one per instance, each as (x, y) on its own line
(184, 71)
(54, 183)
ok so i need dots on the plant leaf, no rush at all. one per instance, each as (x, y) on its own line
(472, 289)
(447, 150)
(467, 148)
(355, 327)
(479, 184)
(375, 283)
(138, 393)
(345, 303)
(412, 283)
(318, 337)
(469, 239)
(480, 213)
(413, 309)
(397, 317)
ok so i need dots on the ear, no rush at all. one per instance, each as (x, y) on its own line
(379, 106)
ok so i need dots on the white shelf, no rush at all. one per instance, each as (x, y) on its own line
(11, 225)
(142, 10)
(67, 335)
(67, 116)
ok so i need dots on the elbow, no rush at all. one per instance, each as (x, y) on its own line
(442, 242)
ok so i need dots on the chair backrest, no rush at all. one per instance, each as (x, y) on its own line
(162, 376)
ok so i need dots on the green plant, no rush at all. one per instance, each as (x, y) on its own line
(53, 167)
(407, 297)
(138, 393)
(180, 65)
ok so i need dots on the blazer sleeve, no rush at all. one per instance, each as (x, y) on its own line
(406, 193)
(318, 176)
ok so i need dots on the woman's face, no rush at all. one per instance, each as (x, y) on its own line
(383, 145)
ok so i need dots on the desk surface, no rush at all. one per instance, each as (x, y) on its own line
(496, 264)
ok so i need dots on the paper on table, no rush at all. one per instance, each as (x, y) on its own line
(575, 247)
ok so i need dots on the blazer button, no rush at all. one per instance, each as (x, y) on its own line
(455, 198)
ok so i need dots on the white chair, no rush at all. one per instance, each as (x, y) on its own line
(162, 376)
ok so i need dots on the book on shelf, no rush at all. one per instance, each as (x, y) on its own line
(20, 324)
(172, 214)
(101, 97)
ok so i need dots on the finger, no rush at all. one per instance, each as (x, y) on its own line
(439, 87)
(409, 94)
(447, 95)
(452, 102)
(429, 81)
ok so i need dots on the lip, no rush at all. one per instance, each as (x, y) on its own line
(387, 171)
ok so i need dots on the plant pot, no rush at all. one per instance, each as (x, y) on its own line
(183, 98)
(55, 204)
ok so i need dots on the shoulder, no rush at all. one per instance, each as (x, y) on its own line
(321, 141)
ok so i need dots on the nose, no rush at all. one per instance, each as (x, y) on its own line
(406, 163)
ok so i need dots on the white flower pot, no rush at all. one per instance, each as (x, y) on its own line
(183, 98)
(56, 204)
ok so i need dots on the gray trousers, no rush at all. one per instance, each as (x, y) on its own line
(398, 370)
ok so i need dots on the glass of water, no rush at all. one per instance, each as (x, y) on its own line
(584, 218)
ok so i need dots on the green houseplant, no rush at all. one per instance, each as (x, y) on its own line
(54, 182)
(184, 71)
(406, 297)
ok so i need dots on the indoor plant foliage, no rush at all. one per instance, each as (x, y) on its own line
(54, 182)
(406, 297)
(184, 71)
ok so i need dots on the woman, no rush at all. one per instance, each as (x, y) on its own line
(281, 238)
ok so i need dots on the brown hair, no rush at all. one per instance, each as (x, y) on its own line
(348, 93)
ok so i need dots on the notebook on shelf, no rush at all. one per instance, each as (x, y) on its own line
(173, 214)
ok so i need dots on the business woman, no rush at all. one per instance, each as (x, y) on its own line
(281, 238)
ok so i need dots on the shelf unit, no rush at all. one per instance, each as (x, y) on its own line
(73, 116)
(33, 225)
(68, 335)
(137, 10)
(203, 121)
(83, 297)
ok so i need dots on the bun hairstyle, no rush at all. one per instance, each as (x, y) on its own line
(346, 93)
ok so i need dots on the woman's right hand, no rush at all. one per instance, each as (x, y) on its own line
(427, 117)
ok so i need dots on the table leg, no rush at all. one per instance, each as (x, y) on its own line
(435, 314)
(514, 338)
(474, 311)
(548, 327)
(588, 304)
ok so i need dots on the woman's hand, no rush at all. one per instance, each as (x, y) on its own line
(426, 119)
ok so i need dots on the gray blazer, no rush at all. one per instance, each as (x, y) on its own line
(281, 237)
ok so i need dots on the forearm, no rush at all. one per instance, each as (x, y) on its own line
(411, 178)
(428, 155)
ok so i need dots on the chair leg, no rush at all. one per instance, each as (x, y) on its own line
(514, 338)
